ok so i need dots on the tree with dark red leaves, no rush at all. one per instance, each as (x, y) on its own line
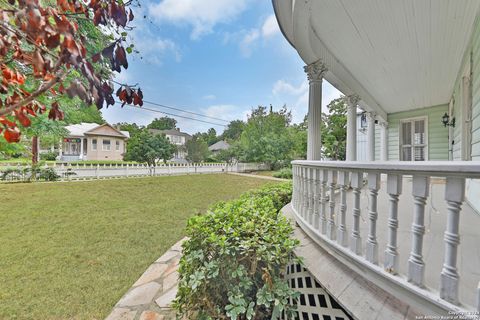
(40, 46)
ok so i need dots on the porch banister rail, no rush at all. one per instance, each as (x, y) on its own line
(326, 223)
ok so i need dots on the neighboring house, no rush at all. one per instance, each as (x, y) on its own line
(92, 141)
(177, 138)
(393, 250)
(219, 146)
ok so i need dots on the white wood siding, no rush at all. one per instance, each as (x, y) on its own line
(476, 93)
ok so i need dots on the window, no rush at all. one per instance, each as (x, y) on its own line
(413, 140)
(106, 145)
(117, 145)
(94, 144)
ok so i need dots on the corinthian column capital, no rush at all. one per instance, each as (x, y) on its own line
(315, 71)
(352, 100)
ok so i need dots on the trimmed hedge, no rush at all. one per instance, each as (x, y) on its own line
(233, 264)
(285, 173)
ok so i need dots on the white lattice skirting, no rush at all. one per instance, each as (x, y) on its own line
(314, 302)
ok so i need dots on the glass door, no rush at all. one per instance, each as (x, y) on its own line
(413, 140)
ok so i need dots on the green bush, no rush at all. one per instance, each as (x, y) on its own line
(285, 173)
(233, 264)
(49, 174)
(50, 156)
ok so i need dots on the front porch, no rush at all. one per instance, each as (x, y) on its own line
(398, 227)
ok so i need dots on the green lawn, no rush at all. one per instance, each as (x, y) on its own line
(71, 250)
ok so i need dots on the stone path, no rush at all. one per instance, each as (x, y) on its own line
(150, 297)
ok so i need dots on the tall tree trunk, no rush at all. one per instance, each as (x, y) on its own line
(34, 150)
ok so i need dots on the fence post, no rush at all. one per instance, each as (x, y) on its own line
(97, 171)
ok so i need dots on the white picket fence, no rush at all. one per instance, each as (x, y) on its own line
(95, 171)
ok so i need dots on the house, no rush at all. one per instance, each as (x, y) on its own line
(179, 139)
(219, 146)
(390, 248)
(93, 141)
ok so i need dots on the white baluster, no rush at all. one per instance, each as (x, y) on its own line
(305, 193)
(332, 181)
(372, 245)
(295, 187)
(316, 199)
(310, 195)
(416, 266)
(454, 195)
(394, 189)
(356, 240)
(323, 200)
(342, 235)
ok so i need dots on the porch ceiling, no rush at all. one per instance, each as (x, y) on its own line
(397, 55)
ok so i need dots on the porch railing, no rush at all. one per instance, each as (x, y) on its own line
(317, 185)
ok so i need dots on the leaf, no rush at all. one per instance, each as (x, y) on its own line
(38, 62)
(121, 57)
(52, 41)
(55, 112)
(129, 49)
(130, 16)
(12, 135)
(96, 57)
(22, 118)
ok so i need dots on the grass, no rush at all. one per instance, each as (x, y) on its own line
(71, 250)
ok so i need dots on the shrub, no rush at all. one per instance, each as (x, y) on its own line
(285, 173)
(49, 174)
(49, 156)
(233, 264)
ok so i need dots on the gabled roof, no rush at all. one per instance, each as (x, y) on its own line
(172, 132)
(83, 129)
(220, 145)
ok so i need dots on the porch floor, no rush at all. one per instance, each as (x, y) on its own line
(434, 245)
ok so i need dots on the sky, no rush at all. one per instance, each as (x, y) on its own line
(219, 58)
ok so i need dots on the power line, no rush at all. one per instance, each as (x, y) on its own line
(170, 114)
(182, 110)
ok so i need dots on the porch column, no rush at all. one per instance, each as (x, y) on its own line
(370, 136)
(384, 141)
(315, 72)
(81, 148)
(352, 101)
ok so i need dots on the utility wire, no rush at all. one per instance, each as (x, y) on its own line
(170, 114)
(182, 110)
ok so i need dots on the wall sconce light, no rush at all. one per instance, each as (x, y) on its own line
(446, 120)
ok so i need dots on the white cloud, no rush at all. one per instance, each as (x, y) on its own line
(296, 96)
(201, 15)
(248, 39)
(281, 86)
(153, 47)
(270, 26)
(209, 97)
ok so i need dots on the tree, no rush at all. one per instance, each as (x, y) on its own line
(45, 53)
(197, 149)
(234, 130)
(149, 148)
(334, 130)
(266, 137)
(163, 123)
(132, 128)
(299, 135)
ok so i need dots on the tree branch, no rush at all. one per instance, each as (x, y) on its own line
(35, 94)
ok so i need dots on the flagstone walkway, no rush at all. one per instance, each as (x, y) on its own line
(150, 297)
